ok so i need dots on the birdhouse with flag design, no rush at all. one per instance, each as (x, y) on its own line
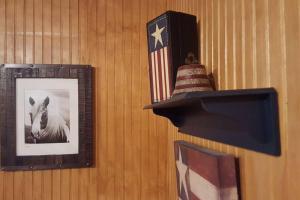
(172, 38)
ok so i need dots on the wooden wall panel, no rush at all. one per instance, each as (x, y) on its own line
(253, 39)
(245, 43)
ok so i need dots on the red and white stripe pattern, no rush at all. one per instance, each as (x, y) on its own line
(192, 78)
(161, 86)
(203, 174)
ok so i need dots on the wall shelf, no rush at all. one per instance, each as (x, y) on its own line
(244, 118)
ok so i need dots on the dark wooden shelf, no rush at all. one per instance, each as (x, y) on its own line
(244, 118)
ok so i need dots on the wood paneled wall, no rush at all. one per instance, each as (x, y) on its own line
(245, 43)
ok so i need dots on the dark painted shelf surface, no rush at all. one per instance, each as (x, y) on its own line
(245, 118)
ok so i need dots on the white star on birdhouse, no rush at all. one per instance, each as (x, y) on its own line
(157, 35)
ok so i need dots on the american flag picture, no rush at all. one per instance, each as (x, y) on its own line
(160, 74)
(203, 174)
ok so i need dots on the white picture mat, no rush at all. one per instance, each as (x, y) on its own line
(25, 149)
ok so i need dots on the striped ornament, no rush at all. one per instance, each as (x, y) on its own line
(192, 78)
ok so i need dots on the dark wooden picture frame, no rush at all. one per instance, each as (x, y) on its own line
(9, 73)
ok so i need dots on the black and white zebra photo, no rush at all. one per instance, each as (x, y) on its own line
(47, 116)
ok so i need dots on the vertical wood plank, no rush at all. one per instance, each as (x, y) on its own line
(19, 31)
(209, 33)
(229, 46)
(145, 99)
(29, 31)
(292, 62)
(10, 31)
(136, 100)
(74, 20)
(110, 64)
(65, 31)
(238, 56)
(221, 44)
(74, 184)
(38, 31)
(18, 185)
(128, 102)
(119, 120)
(260, 43)
(47, 31)
(8, 190)
(204, 32)
(254, 44)
(102, 132)
(65, 184)
(55, 31)
(83, 31)
(215, 42)
(200, 29)
(248, 44)
(243, 35)
(92, 44)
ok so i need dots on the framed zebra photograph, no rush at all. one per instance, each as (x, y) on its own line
(46, 116)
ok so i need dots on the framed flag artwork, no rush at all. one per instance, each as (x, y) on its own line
(172, 40)
(46, 116)
(203, 174)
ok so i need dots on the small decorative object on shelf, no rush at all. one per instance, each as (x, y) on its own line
(205, 174)
(192, 78)
(172, 39)
(46, 116)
